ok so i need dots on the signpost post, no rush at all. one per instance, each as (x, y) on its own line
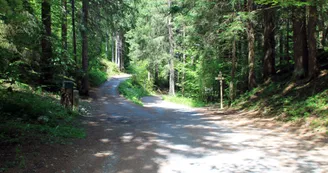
(221, 78)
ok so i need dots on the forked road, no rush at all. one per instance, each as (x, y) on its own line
(166, 138)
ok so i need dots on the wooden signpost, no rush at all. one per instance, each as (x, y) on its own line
(221, 78)
(69, 96)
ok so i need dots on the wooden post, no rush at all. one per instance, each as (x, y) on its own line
(221, 78)
(67, 94)
(76, 99)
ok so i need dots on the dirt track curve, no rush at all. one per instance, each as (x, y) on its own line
(163, 137)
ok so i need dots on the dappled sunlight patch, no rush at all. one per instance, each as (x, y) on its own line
(129, 158)
(127, 137)
(201, 127)
(104, 154)
(148, 167)
(164, 135)
(162, 151)
(126, 171)
(105, 140)
(94, 124)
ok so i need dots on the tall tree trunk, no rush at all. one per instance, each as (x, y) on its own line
(251, 53)
(64, 29)
(46, 70)
(233, 71)
(300, 43)
(74, 31)
(122, 51)
(184, 62)
(287, 58)
(107, 45)
(281, 48)
(312, 41)
(113, 48)
(118, 57)
(85, 60)
(116, 49)
(171, 59)
(269, 44)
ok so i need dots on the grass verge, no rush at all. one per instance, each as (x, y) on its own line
(133, 90)
(184, 101)
(303, 103)
(28, 115)
(101, 72)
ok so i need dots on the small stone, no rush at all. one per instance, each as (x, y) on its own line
(43, 119)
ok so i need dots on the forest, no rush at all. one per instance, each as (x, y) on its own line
(271, 51)
(273, 55)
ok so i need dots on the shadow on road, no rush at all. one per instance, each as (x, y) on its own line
(164, 137)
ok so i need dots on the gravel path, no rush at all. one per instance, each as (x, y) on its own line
(163, 137)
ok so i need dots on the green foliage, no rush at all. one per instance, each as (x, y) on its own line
(184, 101)
(30, 114)
(290, 103)
(133, 90)
(101, 71)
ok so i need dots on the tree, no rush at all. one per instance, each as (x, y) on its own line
(269, 43)
(251, 51)
(171, 59)
(300, 42)
(46, 70)
(312, 41)
(85, 60)
(64, 29)
(74, 30)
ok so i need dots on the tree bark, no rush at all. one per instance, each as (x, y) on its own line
(300, 43)
(122, 51)
(118, 57)
(184, 63)
(171, 59)
(46, 69)
(233, 71)
(74, 31)
(312, 42)
(287, 58)
(85, 60)
(281, 48)
(251, 53)
(64, 29)
(107, 45)
(269, 44)
(113, 48)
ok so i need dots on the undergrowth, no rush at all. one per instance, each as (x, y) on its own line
(35, 115)
(100, 72)
(133, 90)
(304, 103)
(184, 101)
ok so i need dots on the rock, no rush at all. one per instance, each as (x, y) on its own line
(43, 119)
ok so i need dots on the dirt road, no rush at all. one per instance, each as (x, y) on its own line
(167, 138)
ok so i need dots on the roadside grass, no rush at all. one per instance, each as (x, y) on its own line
(35, 115)
(303, 103)
(100, 73)
(184, 101)
(133, 90)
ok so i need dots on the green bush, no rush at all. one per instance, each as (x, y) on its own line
(28, 113)
(132, 90)
(101, 71)
(97, 77)
(184, 101)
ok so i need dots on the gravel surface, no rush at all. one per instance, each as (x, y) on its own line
(163, 137)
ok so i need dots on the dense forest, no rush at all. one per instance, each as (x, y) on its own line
(275, 47)
(273, 55)
(183, 42)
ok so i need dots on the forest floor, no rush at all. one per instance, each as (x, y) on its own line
(164, 137)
